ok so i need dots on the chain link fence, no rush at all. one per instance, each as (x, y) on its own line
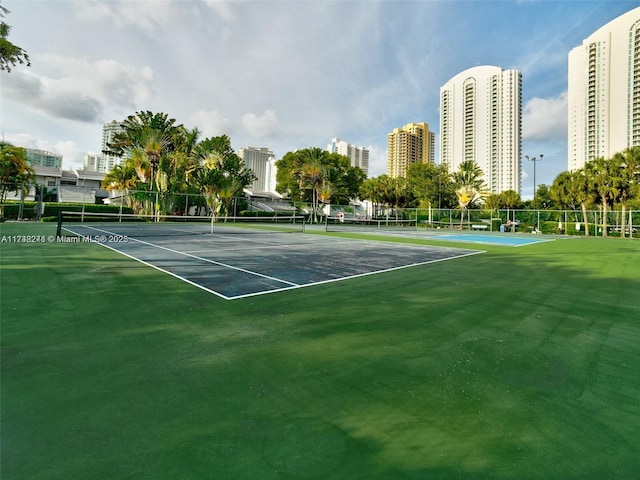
(543, 221)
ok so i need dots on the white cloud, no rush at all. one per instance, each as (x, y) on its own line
(545, 118)
(377, 160)
(146, 15)
(70, 151)
(211, 123)
(224, 9)
(27, 140)
(353, 70)
(81, 90)
(265, 125)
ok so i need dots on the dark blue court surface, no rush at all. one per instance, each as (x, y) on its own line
(232, 265)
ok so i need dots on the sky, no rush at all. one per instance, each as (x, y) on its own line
(285, 75)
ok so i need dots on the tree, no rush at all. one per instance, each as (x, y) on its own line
(387, 191)
(221, 175)
(604, 180)
(628, 162)
(469, 184)
(510, 199)
(569, 189)
(492, 201)
(16, 175)
(543, 196)
(10, 54)
(314, 175)
(369, 190)
(121, 178)
(311, 174)
(138, 128)
(431, 184)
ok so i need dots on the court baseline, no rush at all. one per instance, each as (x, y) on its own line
(234, 266)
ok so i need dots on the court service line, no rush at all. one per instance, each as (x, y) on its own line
(160, 269)
(332, 280)
(270, 245)
(268, 277)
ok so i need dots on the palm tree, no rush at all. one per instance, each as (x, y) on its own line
(570, 189)
(628, 162)
(222, 174)
(135, 130)
(310, 171)
(370, 190)
(120, 178)
(604, 179)
(469, 185)
(140, 162)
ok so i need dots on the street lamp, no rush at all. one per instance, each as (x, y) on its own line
(534, 160)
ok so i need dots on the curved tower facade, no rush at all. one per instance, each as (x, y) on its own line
(604, 91)
(480, 120)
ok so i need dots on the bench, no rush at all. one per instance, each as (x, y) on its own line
(479, 227)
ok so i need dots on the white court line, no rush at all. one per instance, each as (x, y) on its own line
(187, 255)
(476, 252)
(264, 292)
(268, 245)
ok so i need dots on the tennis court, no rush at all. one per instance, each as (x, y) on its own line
(412, 229)
(237, 260)
(503, 239)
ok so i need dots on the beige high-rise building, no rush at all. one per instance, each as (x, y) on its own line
(604, 91)
(413, 143)
(480, 121)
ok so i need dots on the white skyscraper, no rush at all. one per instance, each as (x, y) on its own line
(480, 120)
(359, 156)
(604, 91)
(103, 162)
(99, 162)
(263, 163)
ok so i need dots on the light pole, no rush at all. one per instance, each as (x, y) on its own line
(534, 160)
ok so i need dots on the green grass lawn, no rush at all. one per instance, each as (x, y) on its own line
(520, 363)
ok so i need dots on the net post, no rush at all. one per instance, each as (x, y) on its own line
(326, 223)
(59, 225)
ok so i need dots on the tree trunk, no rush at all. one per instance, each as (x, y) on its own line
(604, 217)
(584, 217)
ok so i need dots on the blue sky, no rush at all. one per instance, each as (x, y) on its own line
(285, 74)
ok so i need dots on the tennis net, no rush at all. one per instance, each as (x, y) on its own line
(342, 224)
(137, 225)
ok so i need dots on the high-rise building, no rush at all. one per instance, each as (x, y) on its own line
(263, 164)
(359, 156)
(413, 143)
(42, 158)
(604, 91)
(99, 162)
(109, 130)
(480, 120)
